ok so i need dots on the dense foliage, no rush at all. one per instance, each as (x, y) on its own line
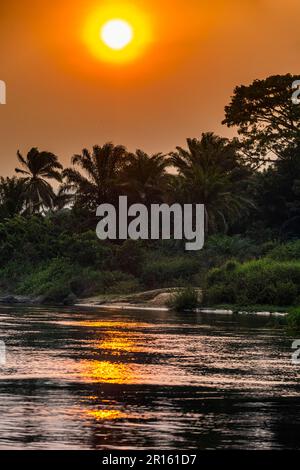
(48, 244)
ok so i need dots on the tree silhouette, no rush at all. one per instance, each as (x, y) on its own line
(144, 179)
(97, 182)
(36, 169)
(266, 117)
(11, 197)
(210, 173)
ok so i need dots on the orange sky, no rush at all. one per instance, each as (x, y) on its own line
(60, 98)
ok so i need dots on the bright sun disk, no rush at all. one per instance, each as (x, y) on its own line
(117, 34)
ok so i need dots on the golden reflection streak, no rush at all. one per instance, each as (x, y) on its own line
(108, 372)
(102, 415)
(119, 342)
(106, 324)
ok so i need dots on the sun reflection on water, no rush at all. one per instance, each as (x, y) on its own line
(108, 372)
(116, 342)
(106, 415)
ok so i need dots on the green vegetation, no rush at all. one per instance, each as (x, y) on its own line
(262, 281)
(184, 299)
(293, 319)
(48, 244)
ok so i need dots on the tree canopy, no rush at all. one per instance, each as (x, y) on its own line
(266, 118)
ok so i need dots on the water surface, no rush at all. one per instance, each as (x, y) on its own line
(92, 379)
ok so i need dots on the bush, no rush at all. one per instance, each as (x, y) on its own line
(293, 318)
(12, 273)
(258, 282)
(220, 294)
(187, 299)
(108, 282)
(287, 252)
(59, 278)
(130, 257)
(286, 293)
(169, 271)
(48, 276)
(85, 249)
(224, 247)
(57, 294)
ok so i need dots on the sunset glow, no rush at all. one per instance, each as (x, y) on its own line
(117, 33)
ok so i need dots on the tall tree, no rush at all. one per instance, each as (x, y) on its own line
(11, 197)
(37, 168)
(267, 119)
(144, 179)
(211, 173)
(276, 191)
(96, 180)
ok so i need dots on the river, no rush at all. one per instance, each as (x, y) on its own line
(95, 379)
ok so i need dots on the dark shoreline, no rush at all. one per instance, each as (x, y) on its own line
(144, 301)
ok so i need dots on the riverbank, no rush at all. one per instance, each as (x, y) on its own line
(159, 299)
(152, 300)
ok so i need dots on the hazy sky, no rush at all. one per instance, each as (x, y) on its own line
(60, 98)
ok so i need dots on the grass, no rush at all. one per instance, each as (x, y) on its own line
(184, 299)
(293, 318)
(256, 282)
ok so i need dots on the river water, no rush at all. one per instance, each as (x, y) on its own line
(96, 379)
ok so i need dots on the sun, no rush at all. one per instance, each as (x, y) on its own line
(117, 33)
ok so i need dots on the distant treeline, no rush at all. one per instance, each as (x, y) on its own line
(250, 186)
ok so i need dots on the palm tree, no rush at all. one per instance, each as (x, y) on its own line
(144, 179)
(11, 197)
(211, 173)
(97, 182)
(62, 199)
(36, 169)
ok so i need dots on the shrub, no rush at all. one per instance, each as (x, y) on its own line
(187, 299)
(92, 282)
(59, 278)
(220, 294)
(293, 318)
(216, 276)
(85, 249)
(224, 247)
(57, 294)
(256, 282)
(287, 252)
(166, 271)
(12, 273)
(231, 266)
(286, 293)
(47, 276)
(26, 239)
(130, 257)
